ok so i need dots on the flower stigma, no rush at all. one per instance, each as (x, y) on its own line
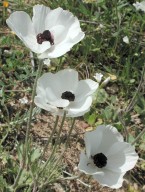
(68, 95)
(100, 160)
(45, 36)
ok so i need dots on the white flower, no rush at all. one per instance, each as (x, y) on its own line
(140, 5)
(98, 77)
(47, 62)
(24, 100)
(50, 33)
(107, 156)
(64, 92)
(126, 40)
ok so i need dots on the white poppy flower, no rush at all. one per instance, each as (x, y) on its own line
(107, 156)
(98, 77)
(140, 5)
(64, 92)
(126, 40)
(50, 33)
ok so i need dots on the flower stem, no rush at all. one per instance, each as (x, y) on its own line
(70, 131)
(138, 137)
(50, 138)
(25, 151)
(56, 144)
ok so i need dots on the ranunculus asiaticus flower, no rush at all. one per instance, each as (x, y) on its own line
(50, 33)
(107, 156)
(64, 92)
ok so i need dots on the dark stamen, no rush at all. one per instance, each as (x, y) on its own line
(45, 36)
(100, 160)
(68, 95)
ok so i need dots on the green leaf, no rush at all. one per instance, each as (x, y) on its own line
(35, 154)
(101, 96)
(92, 119)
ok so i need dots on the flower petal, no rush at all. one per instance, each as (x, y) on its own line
(21, 24)
(64, 80)
(101, 139)
(110, 179)
(39, 15)
(92, 142)
(85, 165)
(76, 109)
(38, 100)
(110, 135)
(67, 80)
(121, 157)
(85, 88)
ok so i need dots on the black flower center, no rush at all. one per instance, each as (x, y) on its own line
(100, 160)
(68, 95)
(45, 36)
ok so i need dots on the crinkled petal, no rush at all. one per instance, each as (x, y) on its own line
(110, 179)
(40, 13)
(85, 88)
(121, 157)
(76, 109)
(85, 165)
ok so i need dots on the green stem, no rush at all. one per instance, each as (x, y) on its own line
(50, 138)
(56, 144)
(138, 137)
(70, 131)
(28, 127)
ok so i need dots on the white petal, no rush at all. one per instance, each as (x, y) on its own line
(76, 109)
(85, 88)
(110, 135)
(21, 24)
(67, 80)
(56, 51)
(60, 103)
(54, 15)
(64, 80)
(47, 62)
(31, 42)
(39, 101)
(110, 179)
(126, 40)
(92, 142)
(98, 77)
(39, 15)
(86, 165)
(140, 5)
(58, 33)
(121, 157)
